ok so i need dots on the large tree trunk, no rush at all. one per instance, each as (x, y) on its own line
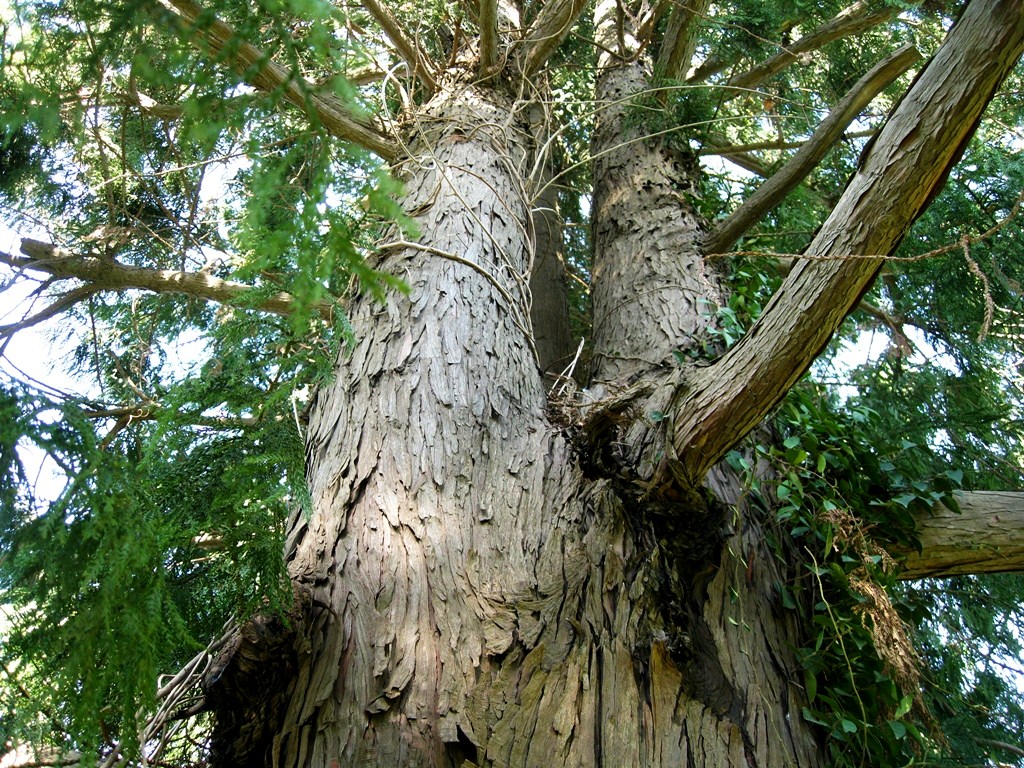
(472, 589)
(480, 582)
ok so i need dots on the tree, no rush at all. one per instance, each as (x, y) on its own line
(488, 564)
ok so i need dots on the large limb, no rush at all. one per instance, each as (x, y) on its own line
(985, 536)
(717, 405)
(852, 20)
(832, 128)
(106, 274)
(268, 76)
(547, 31)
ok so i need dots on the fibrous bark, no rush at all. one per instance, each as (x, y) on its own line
(488, 587)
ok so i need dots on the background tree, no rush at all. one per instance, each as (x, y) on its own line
(323, 271)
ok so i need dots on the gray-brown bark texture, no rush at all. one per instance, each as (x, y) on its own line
(483, 583)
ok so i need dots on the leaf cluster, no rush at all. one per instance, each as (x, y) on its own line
(839, 495)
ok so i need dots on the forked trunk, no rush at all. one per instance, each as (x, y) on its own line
(484, 581)
(477, 591)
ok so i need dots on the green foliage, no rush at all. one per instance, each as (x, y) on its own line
(840, 494)
(969, 637)
(166, 488)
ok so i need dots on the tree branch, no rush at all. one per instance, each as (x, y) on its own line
(268, 76)
(63, 303)
(894, 324)
(901, 172)
(421, 64)
(680, 38)
(850, 21)
(549, 28)
(105, 274)
(148, 410)
(725, 150)
(774, 190)
(488, 23)
(987, 536)
(738, 157)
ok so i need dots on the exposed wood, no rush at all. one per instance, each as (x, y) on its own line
(417, 59)
(106, 274)
(903, 169)
(547, 31)
(986, 536)
(774, 190)
(268, 76)
(680, 39)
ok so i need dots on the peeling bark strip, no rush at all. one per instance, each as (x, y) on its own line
(904, 168)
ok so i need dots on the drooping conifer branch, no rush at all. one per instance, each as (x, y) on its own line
(266, 75)
(903, 170)
(419, 62)
(547, 31)
(983, 537)
(774, 190)
(106, 274)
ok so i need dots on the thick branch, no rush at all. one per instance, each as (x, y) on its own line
(61, 304)
(904, 168)
(773, 192)
(268, 76)
(852, 20)
(549, 28)
(680, 39)
(987, 536)
(488, 23)
(105, 274)
(408, 49)
(725, 150)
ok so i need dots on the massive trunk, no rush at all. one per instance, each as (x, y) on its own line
(483, 580)
(476, 589)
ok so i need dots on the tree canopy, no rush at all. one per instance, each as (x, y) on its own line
(193, 195)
